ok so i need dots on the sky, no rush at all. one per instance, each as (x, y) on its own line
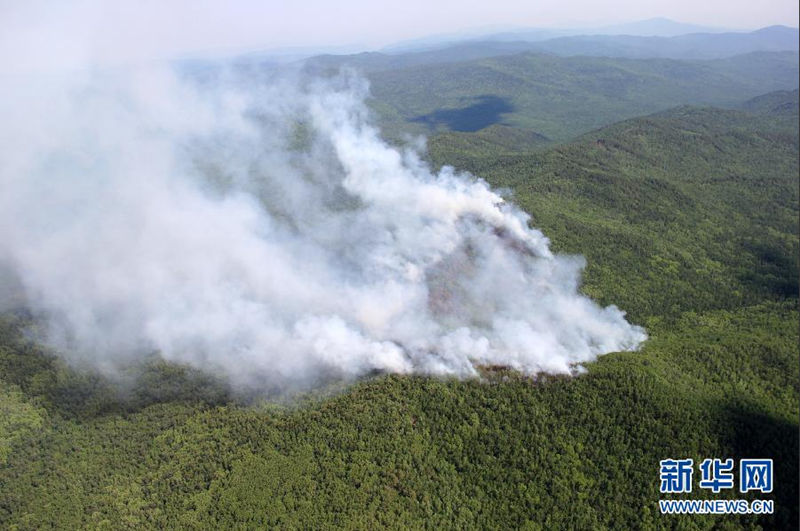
(44, 34)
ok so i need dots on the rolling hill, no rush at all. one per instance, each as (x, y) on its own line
(637, 44)
(653, 27)
(690, 46)
(561, 98)
(709, 195)
(779, 103)
(688, 218)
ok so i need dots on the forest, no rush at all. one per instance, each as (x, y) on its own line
(686, 209)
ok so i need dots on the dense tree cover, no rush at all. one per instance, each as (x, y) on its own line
(688, 220)
(400, 451)
(561, 97)
(695, 207)
(783, 103)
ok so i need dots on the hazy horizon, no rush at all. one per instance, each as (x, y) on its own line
(45, 35)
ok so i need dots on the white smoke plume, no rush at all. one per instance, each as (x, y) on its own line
(262, 229)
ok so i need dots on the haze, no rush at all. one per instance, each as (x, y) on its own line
(46, 35)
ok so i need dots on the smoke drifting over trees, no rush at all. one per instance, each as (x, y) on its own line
(262, 229)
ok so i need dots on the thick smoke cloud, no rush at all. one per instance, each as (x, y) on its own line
(262, 229)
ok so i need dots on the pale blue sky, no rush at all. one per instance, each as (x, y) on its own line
(78, 32)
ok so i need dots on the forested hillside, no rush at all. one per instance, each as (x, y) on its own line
(782, 103)
(688, 220)
(697, 207)
(688, 44)
(561, 97)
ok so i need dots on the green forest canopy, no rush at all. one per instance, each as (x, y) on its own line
(688, 219)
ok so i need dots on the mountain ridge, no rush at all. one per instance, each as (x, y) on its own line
(688, 220)
(561, 97)
(689, 46)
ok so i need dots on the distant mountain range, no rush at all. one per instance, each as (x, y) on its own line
(654, 27)
(690, 46)
(561, 87)
(561, 97)
(780, 103)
